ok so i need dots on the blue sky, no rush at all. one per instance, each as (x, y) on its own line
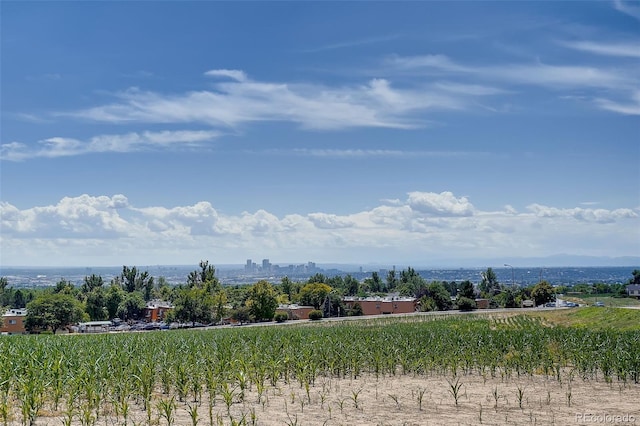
(356, 132)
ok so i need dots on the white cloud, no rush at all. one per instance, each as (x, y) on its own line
(73, 217)
(618, 82)
(629, 8)
(329, 221)
(560, 75)
(631, 50)
(422, 226)
(536, 73)
(631, 107)
(433, 62)
(129, 142)
(443, 204)
(377, 103)
(237, 75)
(588, 215)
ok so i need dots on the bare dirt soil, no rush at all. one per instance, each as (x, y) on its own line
(398, 400)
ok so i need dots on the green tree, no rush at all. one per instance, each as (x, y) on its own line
(287, 287)
(193, 304)
(318, 278)
(131, 307)
(96, 305)
(241, 315)
(392, 280)
(314, 294)
(205, 278)
(19, 300)
(489, 283)
(262, 301)
(163, 291)
(6, 295)
(351, 285)
(411, 283)
(356, 311)
(53, 312)
(65, 287)
(427, 304)
(113, 298)
(542, 293)
(333, 305)
(636, 277)
(506, 298)
(374, 284)
(437, 292)
(91, 282)
(134, 280)
(466, 304)
(466, 290)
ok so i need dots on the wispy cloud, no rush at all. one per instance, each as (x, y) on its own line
(537, 73)
(630, 50)
(237, 75)
(376, 103)
(426, 62)
(129, 142)
(353, 43)
(618, 82)
(627, 108)
(371, 153)
(629, 8)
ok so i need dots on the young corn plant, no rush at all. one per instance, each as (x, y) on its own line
(166, 409)
(454, 389)
(520, 396)
(193, 414)
(420, 397)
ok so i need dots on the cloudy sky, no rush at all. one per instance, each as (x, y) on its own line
(401, 132)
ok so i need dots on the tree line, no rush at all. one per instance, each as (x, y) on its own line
(203, 299)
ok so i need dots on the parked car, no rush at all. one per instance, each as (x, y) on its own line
(600, 304)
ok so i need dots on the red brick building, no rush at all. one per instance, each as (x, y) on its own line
(13, 321)
(383, 305)
(156, 311)
(296, 311)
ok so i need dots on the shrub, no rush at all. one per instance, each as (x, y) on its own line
(356, 311)
(466, 304)
(315, 315)
(281, 316)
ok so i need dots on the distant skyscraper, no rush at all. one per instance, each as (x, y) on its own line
(248, 267)
(266, 266)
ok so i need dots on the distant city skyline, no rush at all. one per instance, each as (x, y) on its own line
(421, 133)
(42, 277)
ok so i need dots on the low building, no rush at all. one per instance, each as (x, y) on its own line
(13, 321)
(633, 290)
(94, 326)
(383, 305)
(156, 311)
(296, 312)
(482, 303)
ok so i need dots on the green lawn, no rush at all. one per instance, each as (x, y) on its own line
(607, 299)
(593, 318)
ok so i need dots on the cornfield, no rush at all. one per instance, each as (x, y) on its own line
(83, 378)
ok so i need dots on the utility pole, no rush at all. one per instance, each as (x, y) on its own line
(513, 276)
